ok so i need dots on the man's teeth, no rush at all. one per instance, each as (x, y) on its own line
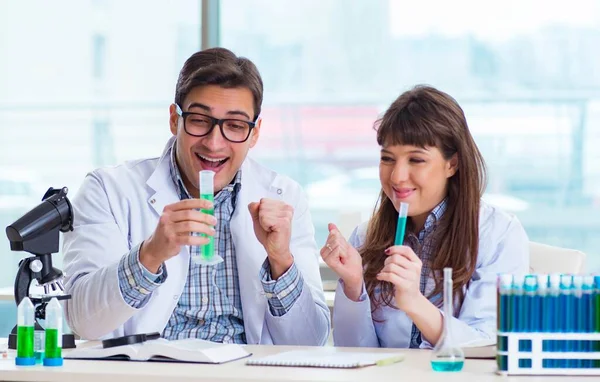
(212, 159)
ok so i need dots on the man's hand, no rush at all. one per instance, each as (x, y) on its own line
(273, 228)
(174, 229)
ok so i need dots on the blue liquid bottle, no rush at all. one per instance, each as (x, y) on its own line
(531, 308)
(504, 312)
(554, 313)
(518, 304)
(543, 322)
(586, 313)
(578, 318)
(447, 355)
(567, 315)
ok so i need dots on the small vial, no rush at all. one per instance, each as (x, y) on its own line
(25, 339)
(54, 322)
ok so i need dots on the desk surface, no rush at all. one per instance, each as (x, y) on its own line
(415, 367)
(7, 294)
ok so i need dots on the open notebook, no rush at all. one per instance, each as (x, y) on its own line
(188, 350)
(327, 358)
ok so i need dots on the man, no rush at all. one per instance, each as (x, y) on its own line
(128, 259)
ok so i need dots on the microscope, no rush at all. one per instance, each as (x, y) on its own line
(37, 232)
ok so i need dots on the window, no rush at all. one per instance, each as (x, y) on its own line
(81, 92)
(523, 72)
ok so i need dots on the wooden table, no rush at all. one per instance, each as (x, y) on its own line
(415, 367)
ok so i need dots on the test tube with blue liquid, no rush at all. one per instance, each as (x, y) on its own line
(554, 312)
(447, 355)
(505, 307)
(518, 317)
(567, 310)
(596, 317)
(543, 316)
(207, 254)
(401, 224)
(504, 311)
(579, 317)
(587, 314)
(531, 308)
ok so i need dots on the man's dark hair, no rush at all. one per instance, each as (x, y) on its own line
(219, 66)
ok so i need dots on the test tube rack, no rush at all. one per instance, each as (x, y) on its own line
(513, 360)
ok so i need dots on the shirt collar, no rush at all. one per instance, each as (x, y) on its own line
(435, 215)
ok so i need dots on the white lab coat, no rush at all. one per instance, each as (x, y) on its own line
(118, 207)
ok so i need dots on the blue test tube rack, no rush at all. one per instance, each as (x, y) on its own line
(548, 325)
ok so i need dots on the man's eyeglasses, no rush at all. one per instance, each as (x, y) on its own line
(200, 125)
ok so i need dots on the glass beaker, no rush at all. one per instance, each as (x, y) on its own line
(447, 355)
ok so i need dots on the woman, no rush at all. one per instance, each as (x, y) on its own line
(390, 296)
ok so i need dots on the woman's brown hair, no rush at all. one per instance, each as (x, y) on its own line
(427, 117)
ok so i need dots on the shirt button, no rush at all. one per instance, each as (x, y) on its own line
(269, 295)
(205, 300)
(279, 191)
(152, 201)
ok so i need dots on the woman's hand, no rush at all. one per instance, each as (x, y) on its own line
(402, 268)
(344, 260)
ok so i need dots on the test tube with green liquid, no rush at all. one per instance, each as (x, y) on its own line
(207, 254)
(25, 327)
(54, 322)
(401, 225)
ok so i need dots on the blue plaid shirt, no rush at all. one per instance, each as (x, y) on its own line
(210, 306)
(422, 245)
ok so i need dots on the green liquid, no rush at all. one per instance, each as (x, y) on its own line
(401, 226)
(53, 346)
(208, 250)
(25, 341)
(447, 365)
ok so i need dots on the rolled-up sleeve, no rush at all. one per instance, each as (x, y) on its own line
(135, 281)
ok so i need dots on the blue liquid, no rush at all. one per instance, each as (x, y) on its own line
(554, 318)
(401, 226)
(567, 303)
(586, 318)
(447, 365)
(580, 326)
(505, 313)
(532, 310)
(514, 320)
(518, 314)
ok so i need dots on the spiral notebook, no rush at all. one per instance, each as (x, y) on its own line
(326, 358)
